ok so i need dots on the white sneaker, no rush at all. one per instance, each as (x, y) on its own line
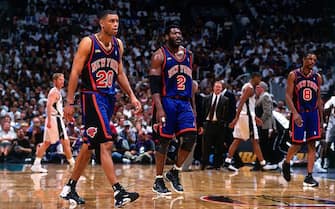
(280, 164)
(318, 168)
(38, 169)
(232, 168)
(269, 167)
(65, 191)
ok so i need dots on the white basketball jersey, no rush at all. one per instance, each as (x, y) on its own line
(252, 101)
(57, 108)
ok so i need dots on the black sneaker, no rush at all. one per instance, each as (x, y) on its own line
(160, 188)
(286, 171)
(173, 177)
(122, 197)
(309, 181)
(71, 195)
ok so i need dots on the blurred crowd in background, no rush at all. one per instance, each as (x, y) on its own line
(238, 37)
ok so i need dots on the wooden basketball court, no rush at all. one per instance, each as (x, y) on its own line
(21, 189)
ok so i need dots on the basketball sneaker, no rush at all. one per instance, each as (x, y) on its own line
(286, 171)
(160, 188)
(230, 167)
(122, 197)
(172, 176)
(269, 167)
(70, 194)
(309, 181)
(38, 169)
(318, 168)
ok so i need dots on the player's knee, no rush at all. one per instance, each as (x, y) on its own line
(188, 141)
(106, 147)
(163, 145)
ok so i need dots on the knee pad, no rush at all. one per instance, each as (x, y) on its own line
(188, 141)
(163, 145)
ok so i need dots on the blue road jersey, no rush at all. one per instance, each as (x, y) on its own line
(101, 69)
(176, 74)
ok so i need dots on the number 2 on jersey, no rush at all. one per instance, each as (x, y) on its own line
(104, 79)
(181, 80)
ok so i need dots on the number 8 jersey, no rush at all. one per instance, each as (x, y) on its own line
(176, 74)
(101, 69)
(305, 91)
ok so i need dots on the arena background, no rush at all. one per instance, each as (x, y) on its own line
(230, 39)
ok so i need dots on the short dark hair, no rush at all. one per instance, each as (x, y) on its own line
(104, 13)
(171, 25)
(306, 54)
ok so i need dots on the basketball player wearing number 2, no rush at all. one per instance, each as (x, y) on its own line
(171, 88)
(304, 101)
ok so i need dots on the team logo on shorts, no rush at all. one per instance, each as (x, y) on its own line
(91, 131)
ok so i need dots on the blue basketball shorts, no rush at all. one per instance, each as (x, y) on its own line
(310, 129)
(179, 117)
(97, 110)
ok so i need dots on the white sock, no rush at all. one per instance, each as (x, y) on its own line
(37, 161)
(159, 177)
(71, 161)
(228, 160)
(263, 162)
(177, 168)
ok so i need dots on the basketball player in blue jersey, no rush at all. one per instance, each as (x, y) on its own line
(171, 88)
(304, 101)
(98, 62)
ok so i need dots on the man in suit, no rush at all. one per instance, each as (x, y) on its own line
(264, 123)
(215, 113)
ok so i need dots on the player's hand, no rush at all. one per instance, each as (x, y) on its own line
(297, 119)
(137, 104)
(259, 121)
(68, 112)
(161, 117)
(200, 130)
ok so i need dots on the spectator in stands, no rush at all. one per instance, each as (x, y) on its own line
(143, 149)
(7, 136)
(35, 132)
(21, 151)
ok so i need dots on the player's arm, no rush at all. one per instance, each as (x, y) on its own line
(247, 92)
(289, 101)
(79, 61)
(194, 87)
(319, 101)
(155, 78)
(327, 110)
(124, 83)
(52, 99)
(194, 90)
